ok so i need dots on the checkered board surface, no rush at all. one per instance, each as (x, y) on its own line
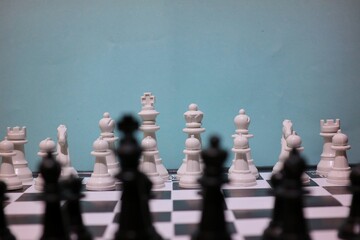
(176, 212)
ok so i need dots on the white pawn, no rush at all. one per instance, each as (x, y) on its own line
(46, 146)
(63, 155)
(242, 122)
(193, 118)
(328, 130)
(241, 174)
(17, 135)
(100, 179)
(107, 126)
(190, 177)
(7, 171)
(340, 171)
(148, 165)
(286, 131)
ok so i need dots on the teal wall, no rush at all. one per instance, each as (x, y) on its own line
(67, 62)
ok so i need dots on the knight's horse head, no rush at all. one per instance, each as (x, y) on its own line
(62, 135)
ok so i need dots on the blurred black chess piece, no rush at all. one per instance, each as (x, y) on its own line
(73, 193)
(53, 219)
(5, 233)
(350, 228)
(212, 224)
(135, 222)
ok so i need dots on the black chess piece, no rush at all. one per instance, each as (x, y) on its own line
(273, 231)
(5, 233)
(294, 225)
(212, 224)
(73, 193)
(53, 219)
(135, 222)
(350, 228)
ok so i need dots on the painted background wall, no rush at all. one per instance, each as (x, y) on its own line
(68, 62)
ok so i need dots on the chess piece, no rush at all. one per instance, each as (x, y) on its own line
(191, 176)
(148, 165)
(273, 231)
(5, 233)
(286, 131)
(72, 188)
(100, 179)
(340, 171)
(328, 130)
(7, 171)
(63, 155)
(293, 225)
(193, 118)
(350, 228)
(135, 219)
(17, 135)
(149, 128)
(241, 174)
(212, 224)
(107, 126)
(53, 219)
(46, 146)
(242, 122)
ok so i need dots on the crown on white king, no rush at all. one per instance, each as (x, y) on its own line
(16, 133)
(329, 125)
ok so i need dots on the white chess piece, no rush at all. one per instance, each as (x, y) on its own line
(193, 118)
(63, 154)
(286, 131)
(328, 130)
(7, 171)
(100, 179)
(340, 171)
(148, 165)
(241, 174)
(17, 135)
(242, 122)
(46, 146)
(190, 177)
(149, 128)
(107, 126)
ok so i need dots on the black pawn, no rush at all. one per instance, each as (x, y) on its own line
(212, 225)
(273, 231)
(294, 223)
(350, 227)
(73, 194)
(5, 233)
(135, 222)
(53, 219)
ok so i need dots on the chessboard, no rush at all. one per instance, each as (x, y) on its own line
(176, 212)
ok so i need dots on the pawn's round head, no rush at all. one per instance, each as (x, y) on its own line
(50, 169)
(294, 166)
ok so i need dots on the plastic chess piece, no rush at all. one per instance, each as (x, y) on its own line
(7, 171)
(72, 193)
(135, 219)
(350, 228)
(148, 165)
(63, 154)
(212, 225)
(294, 225)
(46, 146)
(5, 233)
(107, 126)
(100, 179)
(242, 122)
(190, 178)
(17, 135)
(328, 130)
(193, 118)
(241, 174)
(148, 115)
(53, 219)
(340, 171)
(287, 129)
